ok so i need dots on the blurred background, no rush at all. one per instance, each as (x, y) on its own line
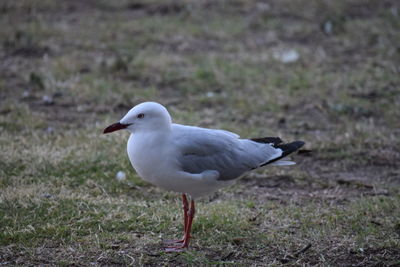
(326, 72)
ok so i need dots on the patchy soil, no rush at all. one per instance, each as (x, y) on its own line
(68, 68)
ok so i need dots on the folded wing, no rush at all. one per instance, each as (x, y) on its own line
(204, 149)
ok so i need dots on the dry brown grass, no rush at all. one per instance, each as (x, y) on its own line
(69, 68)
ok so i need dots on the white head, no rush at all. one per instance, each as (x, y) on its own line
(147, 116)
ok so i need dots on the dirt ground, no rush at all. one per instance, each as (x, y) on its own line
(319, 71)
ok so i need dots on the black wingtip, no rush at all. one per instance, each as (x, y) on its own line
(290, 147)
(286, 150)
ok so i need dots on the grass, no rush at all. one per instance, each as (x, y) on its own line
(71, 68)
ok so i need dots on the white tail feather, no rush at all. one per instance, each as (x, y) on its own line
(283, 163)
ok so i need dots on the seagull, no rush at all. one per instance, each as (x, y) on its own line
(191, 160)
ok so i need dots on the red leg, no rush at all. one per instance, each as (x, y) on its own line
(185, 221)
(191, 214)
(185, 212)
(186, 238)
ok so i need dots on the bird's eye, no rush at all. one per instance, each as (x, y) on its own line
(140, 116)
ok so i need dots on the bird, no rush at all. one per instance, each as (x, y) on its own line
(191, 160)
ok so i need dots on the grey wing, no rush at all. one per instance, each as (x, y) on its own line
(204, 149)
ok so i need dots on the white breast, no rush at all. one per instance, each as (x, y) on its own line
(148, 156)
(155, 163)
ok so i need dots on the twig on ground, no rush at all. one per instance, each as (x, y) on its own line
(304, 152)
(301, 251)
(295, 255)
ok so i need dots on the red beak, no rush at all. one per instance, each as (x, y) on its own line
(115, 127)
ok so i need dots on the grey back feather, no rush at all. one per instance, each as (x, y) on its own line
(203, 149)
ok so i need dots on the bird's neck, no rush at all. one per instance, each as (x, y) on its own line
(155, 132)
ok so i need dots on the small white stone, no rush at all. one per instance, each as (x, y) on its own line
(287, 56)
(50, 130)
(328, 27)
(210, 94)
(47, 100)
(26, 94)
(263, 6)
(120, 176)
